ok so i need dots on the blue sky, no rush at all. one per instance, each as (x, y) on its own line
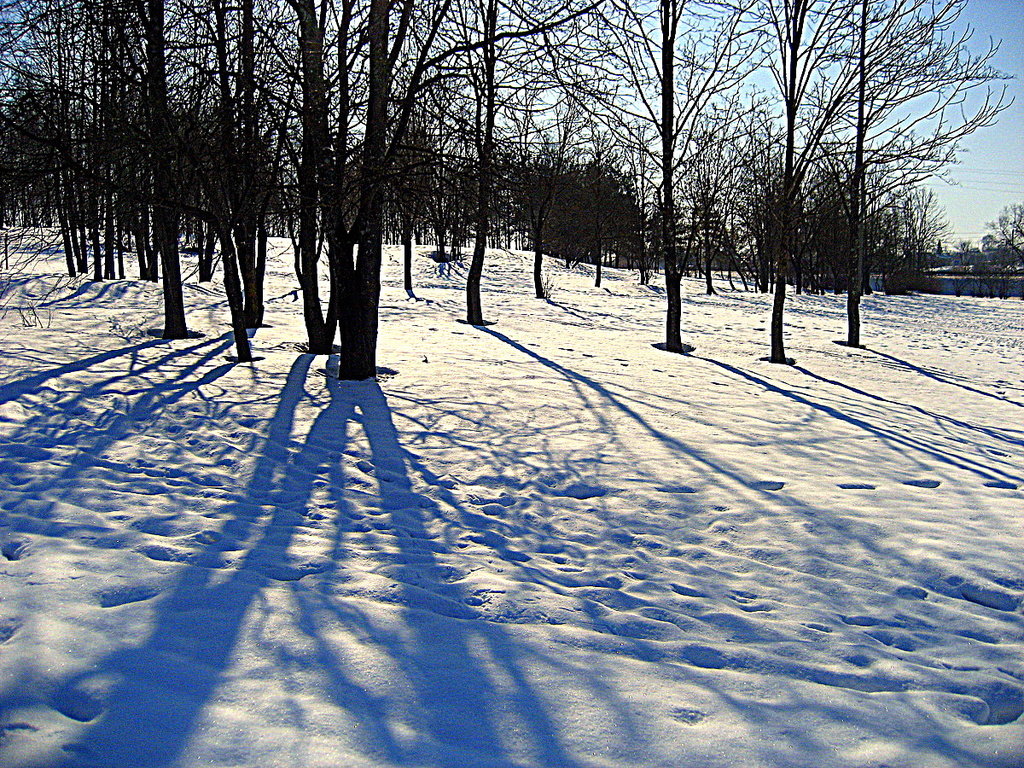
(990, 174)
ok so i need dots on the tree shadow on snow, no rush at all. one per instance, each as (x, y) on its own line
(463, 687)
(942, 378)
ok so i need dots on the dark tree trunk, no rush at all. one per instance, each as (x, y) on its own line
(83, 248)
(709, 286)
(65, 233)
(165, 236)
(855, 287)
(407, 255)
(673, 274)
(207, 247)
(538, 265)
(97, 252)
(252, 282)
(141, 244)
(673, 316)
(474, 308)
(360, 298)
(233, 289)
(109, 270)
(165, 215)
(790, 191)
(485, 182)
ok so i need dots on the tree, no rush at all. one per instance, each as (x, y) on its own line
(813, 70)
(539, 177)
(913, 74)
(1008, 231)
(506, 58)
(674, 65)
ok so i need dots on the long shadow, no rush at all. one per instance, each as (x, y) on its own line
(835, 523)
(163, 686)
(15, 389)
(889, 435)
(943, 379)
(459, 714)
(938, 417)
(112, 426)
(106, 291)
(617, 402)
(439, 656)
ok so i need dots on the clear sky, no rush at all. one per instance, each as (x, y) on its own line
(990, 174)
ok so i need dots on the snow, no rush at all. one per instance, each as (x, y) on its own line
(543, 542)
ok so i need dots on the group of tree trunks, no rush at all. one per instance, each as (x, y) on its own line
(594, 131)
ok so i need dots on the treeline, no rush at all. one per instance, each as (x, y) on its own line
(782, 141)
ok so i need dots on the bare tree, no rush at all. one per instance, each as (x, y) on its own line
(1008, 230)
(914, 73)
(813, 71)
(673, 64)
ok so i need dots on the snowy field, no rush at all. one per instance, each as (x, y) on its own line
(540, 543)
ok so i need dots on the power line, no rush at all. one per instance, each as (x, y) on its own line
(987, 170)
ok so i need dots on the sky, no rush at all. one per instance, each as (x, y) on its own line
(990, 174)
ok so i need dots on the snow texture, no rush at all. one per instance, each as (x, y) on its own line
(543, 542)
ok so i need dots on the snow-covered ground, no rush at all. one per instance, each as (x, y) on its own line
(540, 543)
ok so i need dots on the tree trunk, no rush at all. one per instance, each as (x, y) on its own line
(109, 269)
(97, 251)
(65, 233)
(673, 293)
(538, 265)
(165, 215)
(485, 182)
(709, 285)
(407, 254)
(673, 275)
(207, 247)
(855, 286)
(233, 289)
(360, 298)
(778, 347)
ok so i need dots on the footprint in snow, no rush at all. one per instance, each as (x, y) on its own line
(685, 591)
(923, 483)
(12, 727)
(14, 550)
(285, 572)
(1001, 484)
(8, 629)
(914, 593)
(861, 621)
(672, 488)
(133, 593)
(158, 526)
(77, 704)
(1005, 701)
(768, 485)
(580, 491)
(892, 639)
(818, 627)
(989, 597)
(484, 503)
(688, 716)
(741, 595)
(856, 486)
